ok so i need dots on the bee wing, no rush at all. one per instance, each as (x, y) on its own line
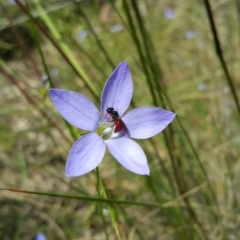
(120, 125)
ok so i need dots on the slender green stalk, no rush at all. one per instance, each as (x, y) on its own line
(139, 48)
(98, 186)
(156, 78)
(149, 49)
(84, 198)
(102, 193)
(220, 54)
(56, 35)
(39, 48)
(99, 43)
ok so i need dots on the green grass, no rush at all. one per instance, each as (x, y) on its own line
(192, 190)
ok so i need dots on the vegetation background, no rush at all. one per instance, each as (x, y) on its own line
(184, 56)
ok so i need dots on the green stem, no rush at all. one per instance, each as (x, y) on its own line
(102, 193)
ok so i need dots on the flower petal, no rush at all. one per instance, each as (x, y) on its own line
(129, 154)
(85, 155)
(145, 122)
(118, 90)
(75, 108)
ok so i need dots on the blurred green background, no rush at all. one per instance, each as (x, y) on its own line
(170, 46)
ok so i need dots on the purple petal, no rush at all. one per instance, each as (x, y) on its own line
(85, 155)
(75, 108)
(129, 154)
(118, 90)
(145, 122)
(40, 236)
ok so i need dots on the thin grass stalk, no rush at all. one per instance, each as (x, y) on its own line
(141, 55)
(143, 60)
(182, 187)
(65, 48)
(150, 51)
(99, 43)
(139, 48)
(238, 17)
(121, 18)
(98, 188)
(103, 194)
(123, 211)
(36, 14)
(148, 47)
(86, 198)
(177, 169)
(220, 53)
(133, 33)
(195, 154)
(39, 48)
(144, 35)
(91, 59)
(131, 222)
(165, 171)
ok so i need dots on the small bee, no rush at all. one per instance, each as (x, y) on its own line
(118, 122)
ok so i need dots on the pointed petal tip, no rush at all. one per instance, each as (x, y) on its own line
(173, 115)
(118, 89)
(71, 175)
(68, 173)
(147, 121)
(129, 154)
(124, 62)
(142, 173)
(147, 172)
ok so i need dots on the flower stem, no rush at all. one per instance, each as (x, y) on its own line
(102, 193)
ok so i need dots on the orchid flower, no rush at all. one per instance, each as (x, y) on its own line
(139, 123)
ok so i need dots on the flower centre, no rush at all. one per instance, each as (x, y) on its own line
(105, 130)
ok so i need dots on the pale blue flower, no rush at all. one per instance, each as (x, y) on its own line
(116, 28)
(202, 87)
(40, 236)
(82, 35)
(140, 123)
(169, 13)
(190, 34)
(13, 2)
